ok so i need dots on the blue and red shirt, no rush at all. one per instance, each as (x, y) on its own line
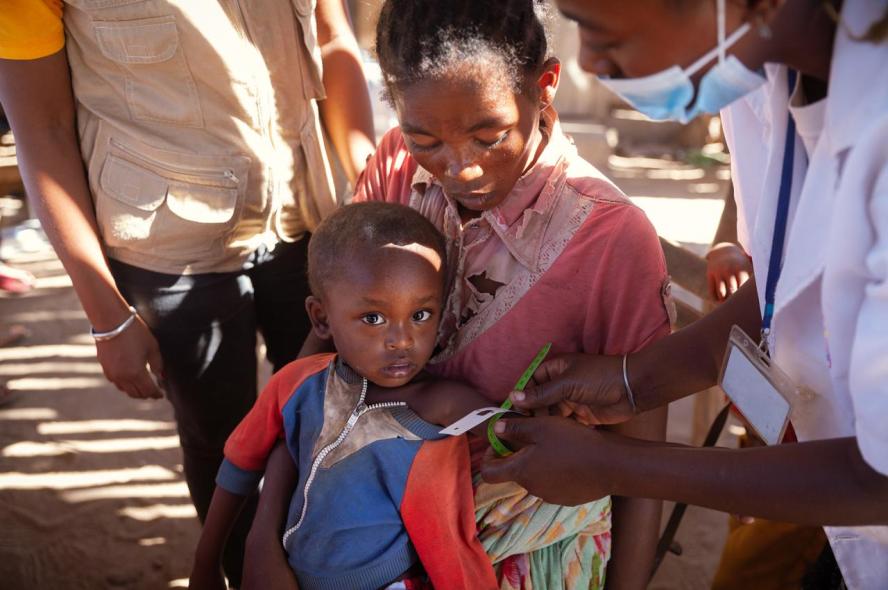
(378, 490)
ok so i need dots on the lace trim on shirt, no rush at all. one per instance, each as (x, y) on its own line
(570, 207)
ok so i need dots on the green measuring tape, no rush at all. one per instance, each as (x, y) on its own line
(498, 446)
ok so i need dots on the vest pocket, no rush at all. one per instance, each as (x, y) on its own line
(159, 85)
(178, 208)
(320, 200)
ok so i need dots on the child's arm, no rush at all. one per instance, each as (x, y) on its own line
(265, 563)
(246, 455)
(636, 521)
(206, 573)
(443, 402)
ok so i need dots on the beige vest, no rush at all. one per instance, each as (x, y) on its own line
(199, 126)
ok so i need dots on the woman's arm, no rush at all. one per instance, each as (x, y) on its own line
(38, 100)
(439, 401)
(636, 520)
(821, 483)
(346, 112)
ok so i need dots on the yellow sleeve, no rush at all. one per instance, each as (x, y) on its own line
(31, 29)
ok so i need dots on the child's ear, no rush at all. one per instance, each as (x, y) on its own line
(317, 314)
(547, 83)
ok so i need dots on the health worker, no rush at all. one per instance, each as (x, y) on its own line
(802, 87)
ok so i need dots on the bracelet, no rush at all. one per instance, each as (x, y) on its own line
(105, 336)
(629, 395)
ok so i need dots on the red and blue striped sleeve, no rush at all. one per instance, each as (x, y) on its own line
(249, 445)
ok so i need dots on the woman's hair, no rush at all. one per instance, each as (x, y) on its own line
(358, 230)
(425, 39)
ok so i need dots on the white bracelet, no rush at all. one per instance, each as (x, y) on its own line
(105, 336)
(629, 395)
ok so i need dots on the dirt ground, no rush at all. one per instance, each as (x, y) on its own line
(91, 487)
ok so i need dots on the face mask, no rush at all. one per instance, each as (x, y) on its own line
(668, 94)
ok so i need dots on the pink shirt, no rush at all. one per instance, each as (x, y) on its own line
(577, 264)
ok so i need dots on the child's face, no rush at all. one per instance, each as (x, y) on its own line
(474, 133)
(383, 312)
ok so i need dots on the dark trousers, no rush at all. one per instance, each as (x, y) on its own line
(206, 327)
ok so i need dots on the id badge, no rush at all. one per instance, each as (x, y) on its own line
(757, 387)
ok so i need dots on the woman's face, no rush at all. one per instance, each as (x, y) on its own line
(642, 37)
(473, 132)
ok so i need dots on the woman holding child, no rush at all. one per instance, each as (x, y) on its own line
(480, 152)
(537, 244)
(804, 88)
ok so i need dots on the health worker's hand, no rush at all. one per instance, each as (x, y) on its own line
(586, 387)
(127, 359)
(727, 268)
(556, 459)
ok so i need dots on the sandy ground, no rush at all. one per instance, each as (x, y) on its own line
(91, 487)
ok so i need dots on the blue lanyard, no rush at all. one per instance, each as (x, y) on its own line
(775, 263)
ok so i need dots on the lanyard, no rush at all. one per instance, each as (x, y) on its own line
(775, 264)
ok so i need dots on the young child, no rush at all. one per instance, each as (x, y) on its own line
(381, 497)
(541, 246)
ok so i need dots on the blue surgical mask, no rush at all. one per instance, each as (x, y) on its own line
(669, 95)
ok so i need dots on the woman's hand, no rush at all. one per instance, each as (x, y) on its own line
(132, 362)
(727, 268)
(586, 387)
(555, 460)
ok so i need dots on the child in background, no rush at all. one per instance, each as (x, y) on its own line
(382, 497)
(541, 248)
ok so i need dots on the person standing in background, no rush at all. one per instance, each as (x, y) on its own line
(174, 153)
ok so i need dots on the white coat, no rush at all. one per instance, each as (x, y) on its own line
(830, 327)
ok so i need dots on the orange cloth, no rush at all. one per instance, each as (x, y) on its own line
(439, 515)
(767, 555)
(31, 29)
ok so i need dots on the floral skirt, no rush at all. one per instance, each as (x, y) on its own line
(538, 545)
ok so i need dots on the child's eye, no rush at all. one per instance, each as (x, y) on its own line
(373, 319)
(422, 315)
(492, 144)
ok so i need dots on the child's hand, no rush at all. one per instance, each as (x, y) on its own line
(727, 268)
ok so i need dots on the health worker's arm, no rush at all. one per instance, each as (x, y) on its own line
(39, 103)
(346, 112)
(673, 367)
(819, 483)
